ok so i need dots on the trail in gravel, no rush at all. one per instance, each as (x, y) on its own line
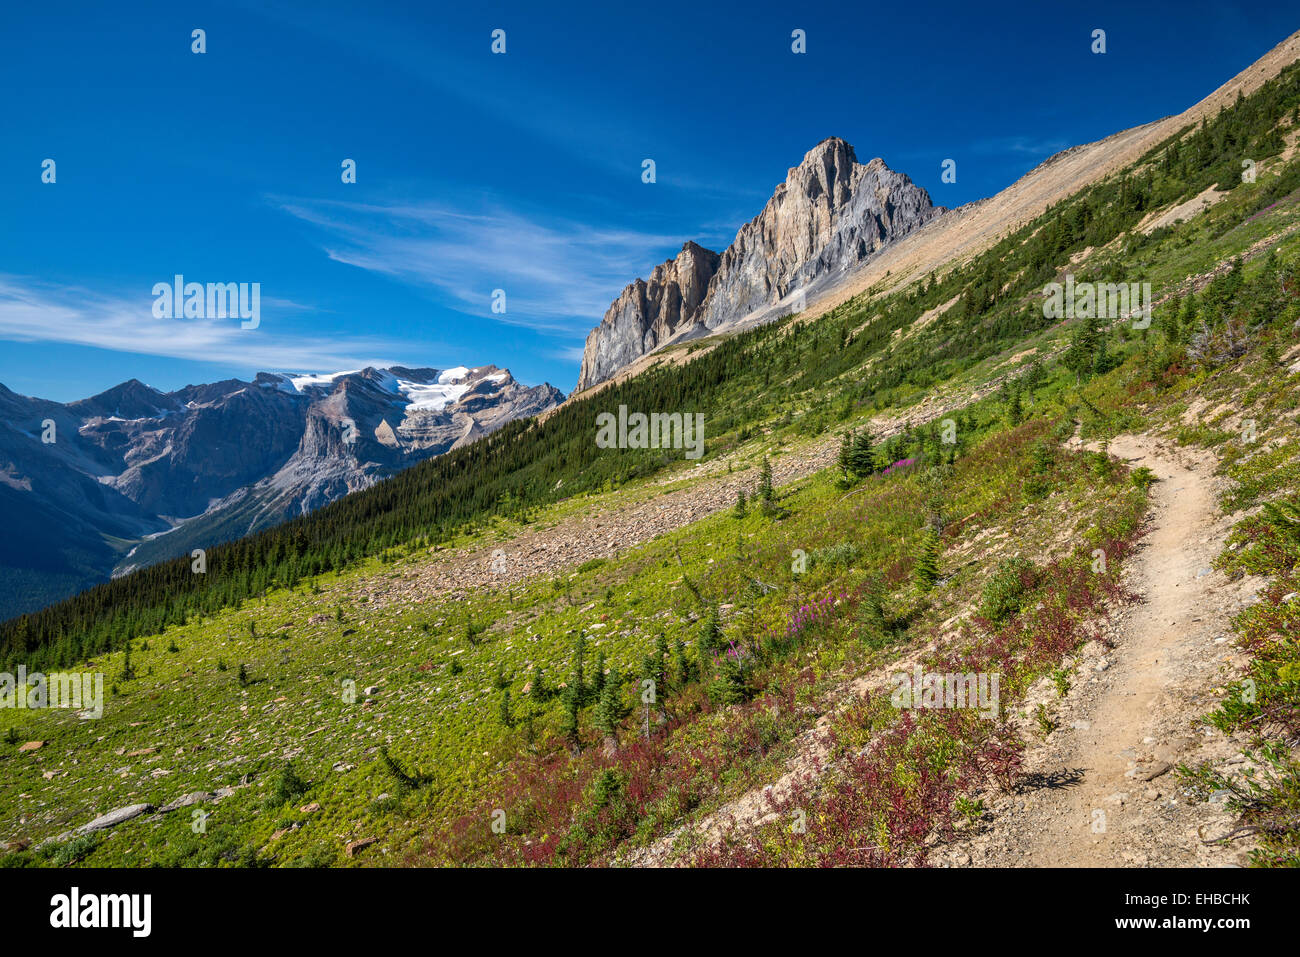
(1102, 790)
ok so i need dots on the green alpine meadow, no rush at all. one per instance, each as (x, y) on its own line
(892, 535)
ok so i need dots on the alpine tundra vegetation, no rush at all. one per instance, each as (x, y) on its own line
(564, 642)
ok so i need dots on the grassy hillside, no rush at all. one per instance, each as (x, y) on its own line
(350, 687)
(856, 356)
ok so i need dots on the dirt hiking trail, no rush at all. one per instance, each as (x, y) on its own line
(1102, 789)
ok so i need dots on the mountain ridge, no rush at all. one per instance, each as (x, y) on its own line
(829, 214)
(960, 233)
(154, 474)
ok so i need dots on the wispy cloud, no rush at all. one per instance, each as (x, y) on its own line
(567, 353)
(596, 131)
(559, 276)
(1020, 145)
(31, 311)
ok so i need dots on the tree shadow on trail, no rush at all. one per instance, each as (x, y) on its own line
(1059, 780)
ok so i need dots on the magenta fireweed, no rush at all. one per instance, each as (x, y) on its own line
(808, 615)
(900, 464)
(735, 652)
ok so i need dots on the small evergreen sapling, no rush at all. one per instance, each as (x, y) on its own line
(766, 493)
(926, 570)
(609, 707)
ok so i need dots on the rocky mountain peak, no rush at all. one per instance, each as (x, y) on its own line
(649, 313)
(829, 164)
(178, 470)
(131, 399)
(831, 214)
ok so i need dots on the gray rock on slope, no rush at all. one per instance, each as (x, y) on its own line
(114, 818)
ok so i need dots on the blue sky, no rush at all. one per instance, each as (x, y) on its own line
(478, 171)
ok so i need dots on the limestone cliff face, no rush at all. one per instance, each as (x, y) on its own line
(831, 214)
(648, 314)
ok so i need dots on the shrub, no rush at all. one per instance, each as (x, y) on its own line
(842, 555)
(1006, 589)
(286, 786)
(75, 850)
(1143, 478)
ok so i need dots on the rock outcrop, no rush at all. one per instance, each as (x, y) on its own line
(831, 214)
(648, 314)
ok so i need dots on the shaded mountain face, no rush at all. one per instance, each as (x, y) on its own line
(831, 214)
(135, 475)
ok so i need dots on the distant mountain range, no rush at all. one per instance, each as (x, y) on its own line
(134, 475)
(830, 215)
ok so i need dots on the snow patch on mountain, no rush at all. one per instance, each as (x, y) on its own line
(419, 395)
(433, 398)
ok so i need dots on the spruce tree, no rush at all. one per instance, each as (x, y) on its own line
(682, 664)
(579, 682)
(507, 716)
(1015, 412)
(661, 664)
(926, 570)
(711, 632)
(128, 671)
(844, 461)
(609, 707)
(732, 683)
(766, 494)
(598, 678)
(860, 455)
(1081, 355)
(569, 721)
(875, 623)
